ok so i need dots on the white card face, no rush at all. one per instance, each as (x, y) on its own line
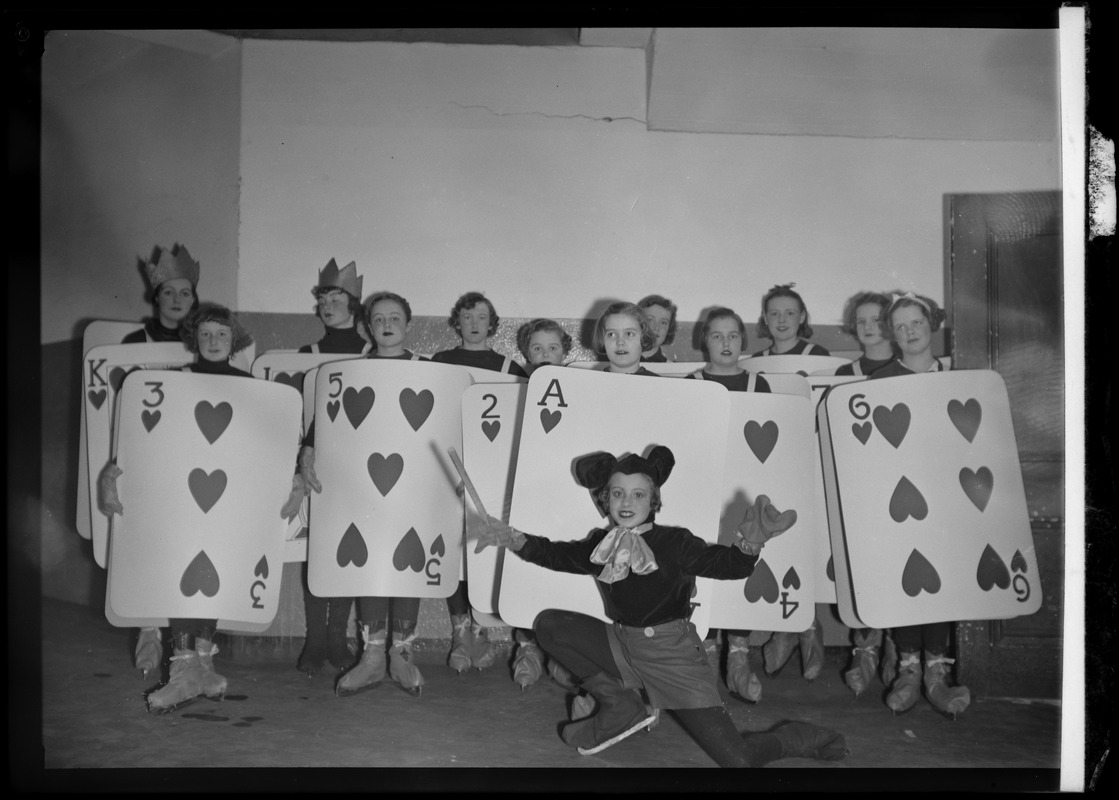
(938, 530)
(673, 369)
(206, 466)
(800, 365)
(103, 369)
(770, 451)
(572, 413)
(98, 332)
(296, 370)
(491, 433)
(781, 383)
(491, 376)
(388, 522)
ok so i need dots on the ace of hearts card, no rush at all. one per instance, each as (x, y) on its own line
(206, 464)
(103, 371)
(388, 522)
(570, 413)
(928, 500)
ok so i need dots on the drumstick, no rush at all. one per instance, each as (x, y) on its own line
(467, 482)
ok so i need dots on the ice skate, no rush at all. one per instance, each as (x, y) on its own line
(907, 686)
(369, 672)
(621, 713)
(528, 665)
(742, 680)
(401, 667)
(149, 650)
(811, 644)
(462, 643)
(864, 660)
(213, 684)
(947, 700)
(776, 651)
(482, 652)
(803, 740)
(889, 661)
(187, 679)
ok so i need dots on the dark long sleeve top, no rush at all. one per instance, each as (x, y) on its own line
(656, 597)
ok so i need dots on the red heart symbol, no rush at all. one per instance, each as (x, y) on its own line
(992, 570)
(893, 423)
(97, 398)
(385, 471)
(919, 575)
(351, 548)
(862, 431)
(490, 428)
(213, 420)
(977, 486)
(200, 576)
(791, 579)
(907, 501)
(206, 489)
(549, 419)
(416, 406)
(150, 419)
(761, 585)
(332, 409)
(761, 438)
(966, 417)
(357, 404)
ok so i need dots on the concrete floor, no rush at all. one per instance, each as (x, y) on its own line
(94, 718)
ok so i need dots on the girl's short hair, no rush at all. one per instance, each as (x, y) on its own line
(784, 290)
(928, 307)
(378, 297)
(721, 313)
(668, 305)
(648, 337)
(851, 310)
(212, 312)
(655, 504)
(469, 300)
(353, 304)
(525, 332)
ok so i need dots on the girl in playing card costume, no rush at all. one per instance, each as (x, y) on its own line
(662, 318)
(864, 317)
(541, 341)
(646, 574)
(723, 338)
(215, 335)
(338, 306)
(784, 319)
(622, 334)
(172, 277)
(911, 321)
(389, 319)
(173, 281)
(474, 318)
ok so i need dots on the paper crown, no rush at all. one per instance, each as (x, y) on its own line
(345, 279)
(168, 264)
(594, 471)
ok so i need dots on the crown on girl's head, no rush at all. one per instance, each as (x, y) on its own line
(345, 279)
(168, 264)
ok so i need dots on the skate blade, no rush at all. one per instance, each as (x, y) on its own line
(346, 692)
(590, 751)
(414, 691)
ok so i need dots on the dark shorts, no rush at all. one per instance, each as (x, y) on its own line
(667, 661)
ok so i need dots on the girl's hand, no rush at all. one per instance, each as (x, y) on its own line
(761, 524)
(497, 533)
(307, 467)
(109, 502)
(299, 490)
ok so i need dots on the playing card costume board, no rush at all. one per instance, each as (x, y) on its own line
(570, 413)
(797, 365)
(388, 521)
(491, 431)
(926, 503)
(206, 465)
